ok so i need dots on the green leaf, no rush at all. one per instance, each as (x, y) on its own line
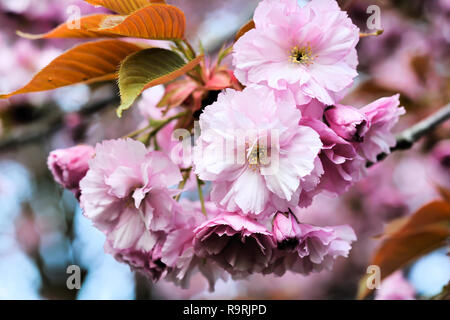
(148, 68)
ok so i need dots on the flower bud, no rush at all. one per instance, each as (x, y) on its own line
(286, 231)
(70, 165)
(348, 122)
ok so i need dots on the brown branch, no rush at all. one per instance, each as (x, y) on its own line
(407, 138)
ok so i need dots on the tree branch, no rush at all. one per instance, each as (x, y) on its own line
(407, 138)
(50, 124)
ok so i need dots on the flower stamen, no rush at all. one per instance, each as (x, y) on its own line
(302, 55)
(257, 156)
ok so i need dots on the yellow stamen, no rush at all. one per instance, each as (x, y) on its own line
(258, 153)
(302, 55)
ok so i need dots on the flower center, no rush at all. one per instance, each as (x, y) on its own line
(258, 156)
(302, 55)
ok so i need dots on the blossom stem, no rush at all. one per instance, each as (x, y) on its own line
(223, 53)
(158, 125)
(371, 34)
(187, 173)
(200, 195)
(155, 143)
(138, 132)
(407, 138)
(154, 123)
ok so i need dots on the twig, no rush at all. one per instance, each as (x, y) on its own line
(407, 138)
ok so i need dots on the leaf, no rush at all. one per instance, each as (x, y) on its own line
(123, 6)
(66, 31)
(156, 21)
(148, 68)
(425, 231)
(246, 27)
(86, 63)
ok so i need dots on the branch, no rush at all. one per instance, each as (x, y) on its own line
(51, 123)
(407, 138)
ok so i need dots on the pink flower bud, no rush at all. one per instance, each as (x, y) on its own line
(70, 165)
(286, 231)
(348, 122)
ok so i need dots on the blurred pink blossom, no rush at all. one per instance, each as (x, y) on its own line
(440, 163)
(395, 287)
(57, 11)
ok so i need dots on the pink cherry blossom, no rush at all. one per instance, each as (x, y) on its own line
(239, 244)
(143, 256)
(309, 50)
(254, 151)
(305, 248)
(383, 114)
(70, 165)
(126, 193)
(313, 109)
(339, 162)
(178, 251)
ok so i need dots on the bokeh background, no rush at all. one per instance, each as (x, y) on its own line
(42, 229)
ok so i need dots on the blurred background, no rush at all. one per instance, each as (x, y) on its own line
(42, 229)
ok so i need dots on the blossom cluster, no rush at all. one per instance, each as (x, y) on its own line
(265, 151)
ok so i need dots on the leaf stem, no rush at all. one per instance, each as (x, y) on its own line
(190, 54)
(182, 49)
